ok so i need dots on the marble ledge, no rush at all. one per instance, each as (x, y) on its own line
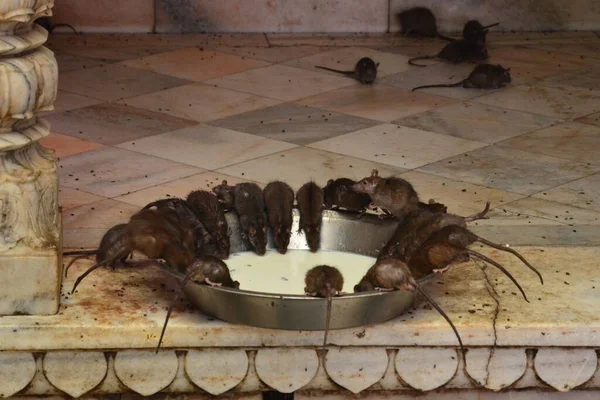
(125, 309)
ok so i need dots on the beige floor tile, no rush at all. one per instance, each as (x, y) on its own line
(592, 119)
(195, 64)
(84, 226)
(590, 49)
(115, 82)
(207, 146)
(399, 146)
(70, 62)
(378, 102)
(439, 73)
(460, 197)
(586, 78)
(570, 140)
(66, 101)
(300, 165)
(527, 64)
(294, 123)
(584, 193)
(200, 102)
(501, 217)
(559, 212)
(178, 188)
(273, 54)
(112, 172)
(111, 123)
(70, 198)
(346, 58)
(282, 82)
(477, 122)
(540, 235)
(510, 169)
(65, 146)
(560, 101)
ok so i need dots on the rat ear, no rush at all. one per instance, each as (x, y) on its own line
(374, 173)
(252, 231)
(377, 65)
(224, 182)
(329, 182)
(507, 69)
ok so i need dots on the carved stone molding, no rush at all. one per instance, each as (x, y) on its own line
(29, 211)
(355, 370)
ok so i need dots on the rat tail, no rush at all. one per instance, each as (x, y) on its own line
(457, 84)
(412, 60)
(65, 25)
(440, 36)
(513, 252)
(327, 321)
(491, 26)
(170, 310)
(479, 215)
(349, 73)
(501, 268)
(75, 259)
(443, 314)
(86, 273)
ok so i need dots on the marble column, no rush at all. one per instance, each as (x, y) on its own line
(30, 228)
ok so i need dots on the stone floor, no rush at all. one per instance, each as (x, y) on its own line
(143, 117)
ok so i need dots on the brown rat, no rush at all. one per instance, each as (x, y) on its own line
(155, 234)
(224, 194)
(208, 270)
(339, 193)
(392, 274)
(113, 239)
(206, 207)
(456, 52)
(324, 281)
(393, 194)
(310, 198)
(279, 200)
(420, 22)
(475, 32)
(365, 70)
(446, 247)
(250, 207)
(484, 76)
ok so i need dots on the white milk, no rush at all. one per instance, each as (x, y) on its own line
(284, 274)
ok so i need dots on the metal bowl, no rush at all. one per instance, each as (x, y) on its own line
(340, 231)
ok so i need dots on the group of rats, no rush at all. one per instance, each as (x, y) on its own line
(420, 22)
(191, 235)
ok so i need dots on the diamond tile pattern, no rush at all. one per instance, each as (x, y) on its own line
(141, 117)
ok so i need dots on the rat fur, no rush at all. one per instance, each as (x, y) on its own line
(420, 22)
(484, 76)
(324, 281)
(310, 198)
(279, 199)
(250, 207)
(206, 207)
(224, 194)
(339, 193)
(365, 71)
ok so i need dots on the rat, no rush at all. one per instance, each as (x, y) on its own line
(483, 76)
(47, 24)
(441, 251)
(250, 207)
(475, 32)
(417, 226)
(206, 207)
(456, 52)
(324, 281)
(340, 194)
(224, 194)
(393, 194)
(460, 237)
(181, 210)
(279, 199)
(392, 274)
(208, 270)
(365, 71)
(112, 239)
(310, 198)
(420, 22)
(155, 234)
